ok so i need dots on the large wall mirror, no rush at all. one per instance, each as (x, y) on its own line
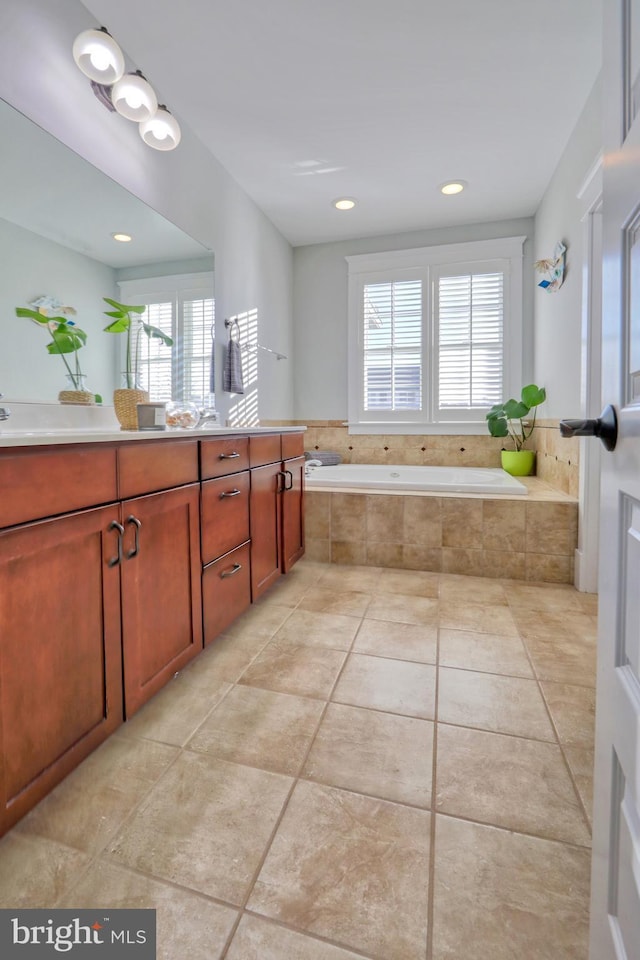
(58, 217)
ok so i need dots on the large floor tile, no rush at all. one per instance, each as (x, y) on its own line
(486, 652)
(285, 668)
(409, 582)
(478, 617)
(92, 802)
(351, 603)
(350, 577)
(499, 895)
(310, 628)
(227, 657)
(580, 760)
(205, 826)
(187, 924)
(176, 711)
(491, 702)
(396, 686)
(403, 609)
(400, 641)
(563, 659)
(556, 625)
(349, 868)
(573, 710)
(507, 781)
(260, 728)
(261, 620)
(471, 590)
(375, 753)
(35, 871)
(550, 598)
(259, 939)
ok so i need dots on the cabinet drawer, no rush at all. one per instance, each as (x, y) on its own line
(226, 591)
(224, 514)
(147, 467)
(292, 445)
(223, 456)
(264, 449)
(42, 483)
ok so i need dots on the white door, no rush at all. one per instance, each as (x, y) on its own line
(615, 887)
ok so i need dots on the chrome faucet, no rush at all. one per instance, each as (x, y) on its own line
(207, 415)
(5, 413)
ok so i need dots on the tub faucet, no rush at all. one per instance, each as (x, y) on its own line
(5, 413)
(311, 463)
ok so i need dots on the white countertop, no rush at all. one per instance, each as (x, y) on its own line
(46, 437)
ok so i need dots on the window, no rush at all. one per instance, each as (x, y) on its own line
(434, 335)
(184, 308)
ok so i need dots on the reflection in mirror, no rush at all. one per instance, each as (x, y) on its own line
(58, 215)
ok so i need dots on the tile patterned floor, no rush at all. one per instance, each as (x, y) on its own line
(371, 763)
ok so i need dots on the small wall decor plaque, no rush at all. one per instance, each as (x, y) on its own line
(552, 269)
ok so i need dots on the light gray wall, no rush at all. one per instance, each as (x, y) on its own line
(320, 309)
(32, 267)
(253, 262)
(558, 316)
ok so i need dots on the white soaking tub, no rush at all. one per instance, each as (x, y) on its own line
(398, 477)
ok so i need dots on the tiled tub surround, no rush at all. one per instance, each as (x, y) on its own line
(483, 537)
(557, 458)
(371, 763)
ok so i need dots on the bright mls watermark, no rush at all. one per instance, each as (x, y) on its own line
(79, 934)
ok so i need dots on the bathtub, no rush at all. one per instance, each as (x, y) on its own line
(397, 477)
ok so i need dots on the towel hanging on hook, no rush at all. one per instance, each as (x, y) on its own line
(232, 381)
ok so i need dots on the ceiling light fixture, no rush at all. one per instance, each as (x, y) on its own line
(122, 237)
(98, 56)
(134, 97)
(451, 187)
(162, 131)
(344, 203)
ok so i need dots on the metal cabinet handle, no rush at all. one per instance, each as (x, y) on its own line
(114, 561)
(230, 493)
(237, 567)
(281, 486)
(288, 473)
(229, 456)
(136, 545)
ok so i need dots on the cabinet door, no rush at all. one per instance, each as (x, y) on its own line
(60, 656)
(266, 484)
(161, 590)
(293, 513)
(224, 515)
(226, 591)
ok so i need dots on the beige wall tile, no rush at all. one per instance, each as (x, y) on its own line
(503, 525)
(317, 514)
(384, 518)
(461, 560)
(548, 568)
(384, 554)
(499, 563)
(421, 558)
(318, 550)
(348, 517)
(461, 523)
(552, 528)
(349, 553)
(422, 521)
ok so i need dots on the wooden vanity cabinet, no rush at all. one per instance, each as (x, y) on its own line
(224, 533)
(277, 508)
(60, 640)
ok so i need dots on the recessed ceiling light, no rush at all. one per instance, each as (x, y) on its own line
(121, 237)
(344, 203)
(451, 187)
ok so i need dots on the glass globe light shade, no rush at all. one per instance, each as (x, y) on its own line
(98, 56)
(162, 131)
(134, 98)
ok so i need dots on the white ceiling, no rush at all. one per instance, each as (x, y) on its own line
(381, 100)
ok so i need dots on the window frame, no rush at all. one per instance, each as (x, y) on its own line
(426, 263)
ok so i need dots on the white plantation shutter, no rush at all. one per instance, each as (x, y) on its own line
(435, 335)
(181, 307)
(469, 324)
(392, 335)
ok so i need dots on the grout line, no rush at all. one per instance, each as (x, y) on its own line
(513, 832)
(432, 823)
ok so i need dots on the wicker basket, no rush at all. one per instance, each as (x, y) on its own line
(125, 404)
(77, 396)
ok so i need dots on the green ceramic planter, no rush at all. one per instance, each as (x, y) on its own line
(519, 463)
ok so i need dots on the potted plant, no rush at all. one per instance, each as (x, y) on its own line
(66, 338)
(126, 398)
(510, 418)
